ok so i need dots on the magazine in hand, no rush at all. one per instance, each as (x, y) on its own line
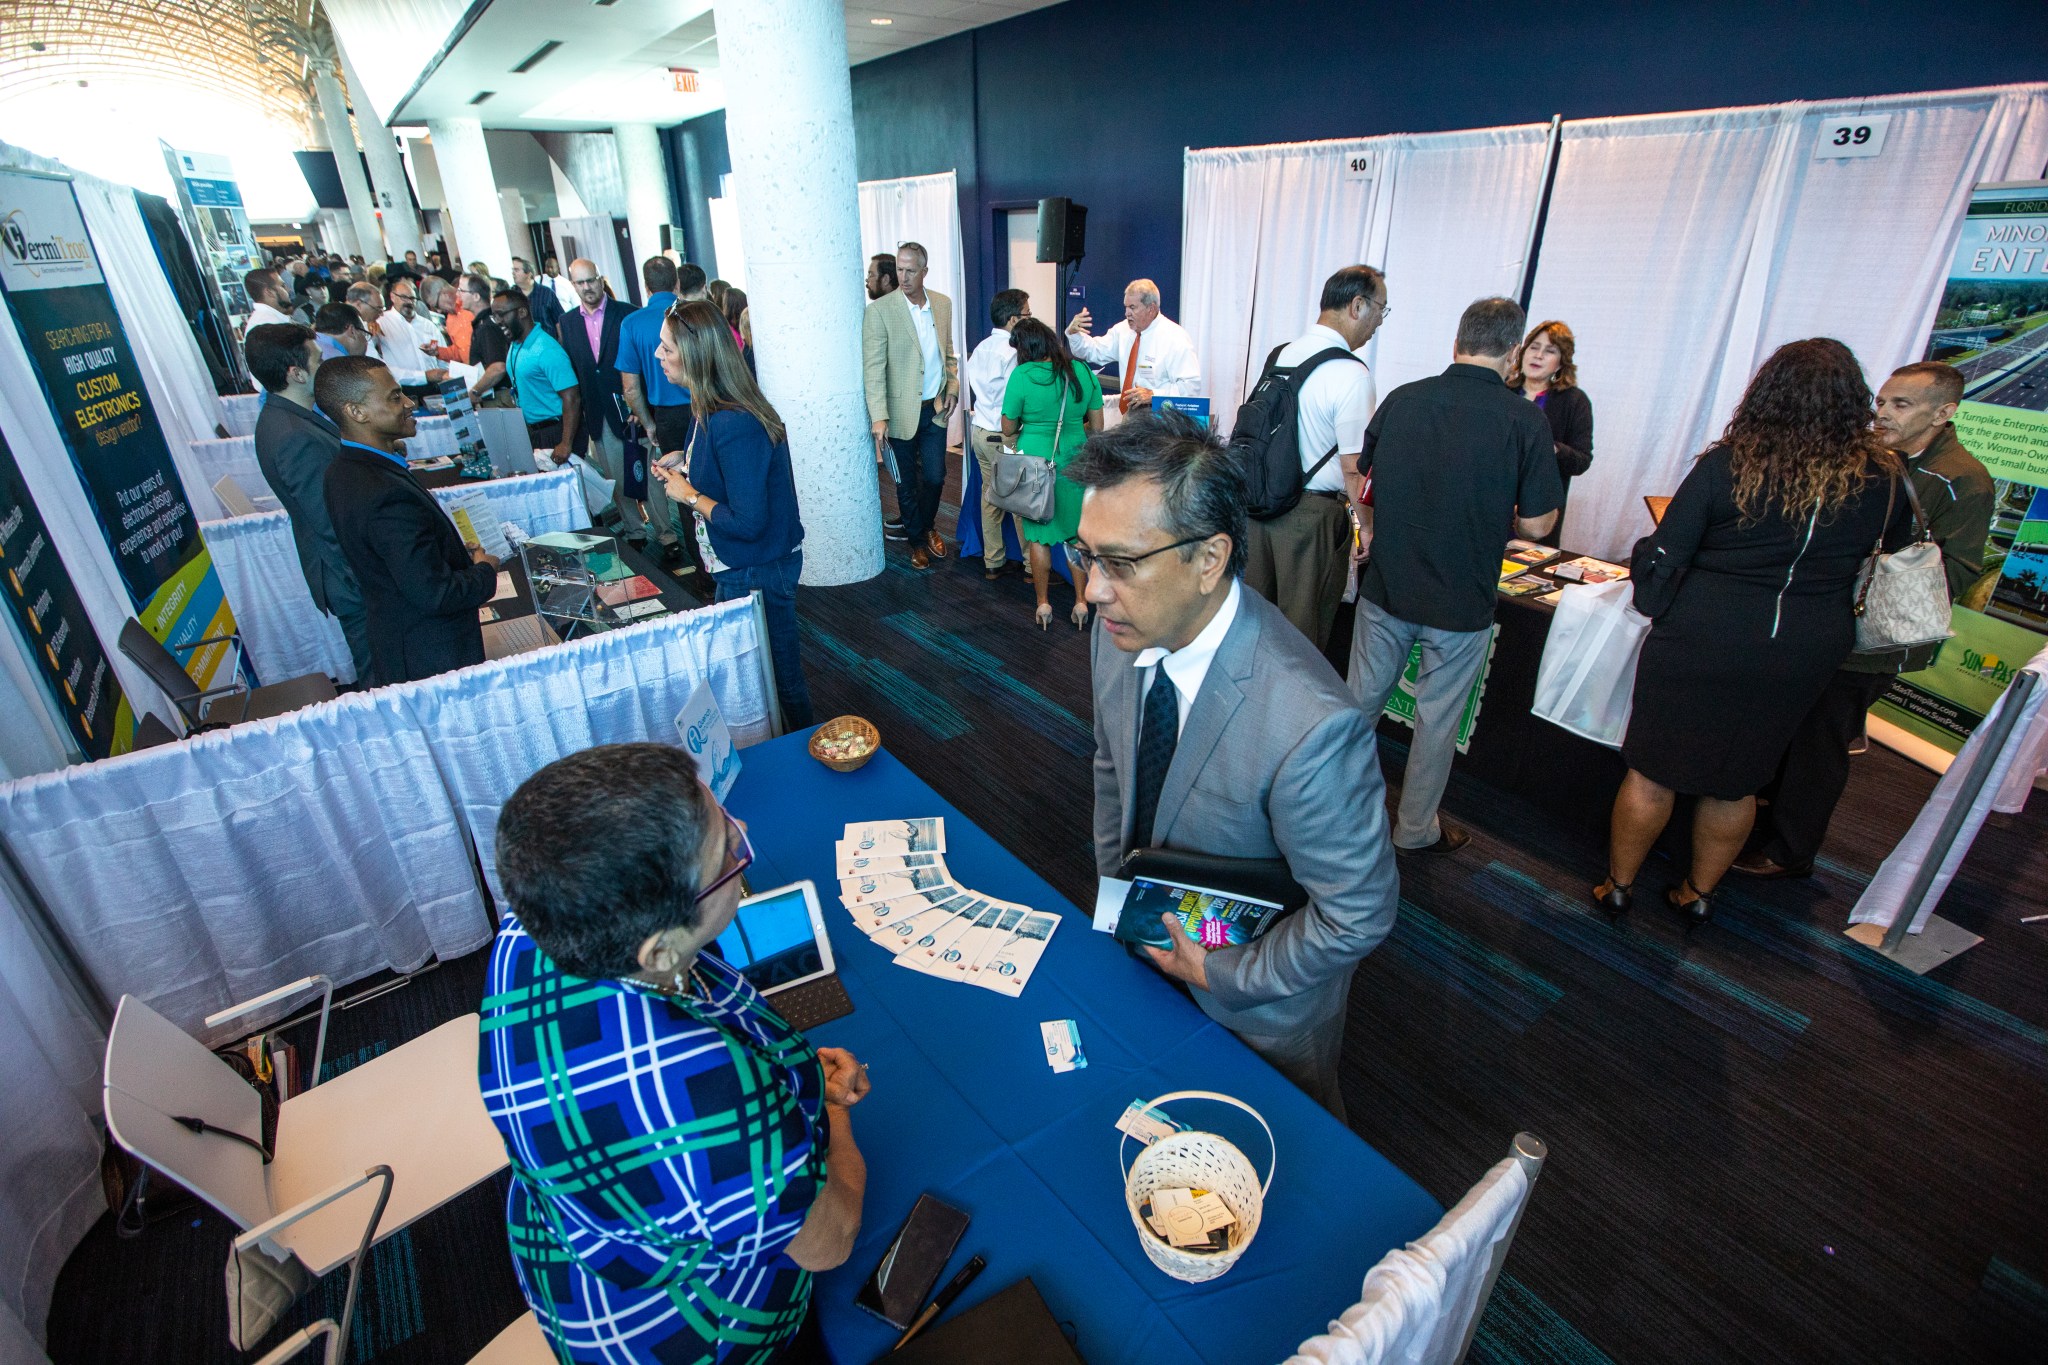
(1214, 919)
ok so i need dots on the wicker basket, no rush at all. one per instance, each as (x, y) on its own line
(844, 725)
(1195, 1160)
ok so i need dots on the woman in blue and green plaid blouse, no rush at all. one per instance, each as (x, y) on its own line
(681, 1157)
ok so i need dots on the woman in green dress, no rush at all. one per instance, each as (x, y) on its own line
(1050, 405)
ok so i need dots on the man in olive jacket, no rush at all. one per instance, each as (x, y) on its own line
(912, 377)
(1916, 411)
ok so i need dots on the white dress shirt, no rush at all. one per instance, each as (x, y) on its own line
(928, 342)
(263, 315)
(1187, 666)
(565, 292)
(1336, 403)
(987, 373)
(399, 339)
(426, 328)
(1167, 363)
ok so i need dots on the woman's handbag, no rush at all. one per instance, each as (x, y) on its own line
(1902, 598)
(1587, 679)
(1024, 484)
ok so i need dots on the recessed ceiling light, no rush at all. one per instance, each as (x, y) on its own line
(883, 22)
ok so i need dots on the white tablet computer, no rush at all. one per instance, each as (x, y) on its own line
(778, 942)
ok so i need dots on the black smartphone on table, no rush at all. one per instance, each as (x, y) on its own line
(902, 1282)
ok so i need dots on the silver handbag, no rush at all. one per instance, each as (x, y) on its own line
(1902, 598)
(1023, 485)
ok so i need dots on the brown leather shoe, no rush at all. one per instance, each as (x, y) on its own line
(1764, 869)
(918, 558)
(936, 544)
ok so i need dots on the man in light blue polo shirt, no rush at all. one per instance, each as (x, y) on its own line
(543, 381)
(663, 408)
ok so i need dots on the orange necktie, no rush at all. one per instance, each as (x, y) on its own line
(1130, 375)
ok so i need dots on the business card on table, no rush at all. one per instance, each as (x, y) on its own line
(1062, 1045)
(879, 838)
(1146, 1124)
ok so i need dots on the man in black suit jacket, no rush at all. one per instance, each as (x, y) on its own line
(294, 446)
(602, 437)
(420, 583)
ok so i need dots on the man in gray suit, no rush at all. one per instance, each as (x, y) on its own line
(1219, 729)
(294, 445)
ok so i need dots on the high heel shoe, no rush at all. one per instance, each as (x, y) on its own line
(1614, 895)
(1079, 616)
(1699, 909)
(1044, 617)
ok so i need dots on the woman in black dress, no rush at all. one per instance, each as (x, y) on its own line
(1750, 580)
(1547, 376)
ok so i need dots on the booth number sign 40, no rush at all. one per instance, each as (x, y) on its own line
(1358, 165)
(1862, 135)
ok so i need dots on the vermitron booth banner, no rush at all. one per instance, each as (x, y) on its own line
(51, 276)
(53, 622)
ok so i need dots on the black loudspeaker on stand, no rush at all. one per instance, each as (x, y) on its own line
(1062, 240)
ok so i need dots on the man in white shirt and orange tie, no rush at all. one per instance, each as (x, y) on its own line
(1156, 354)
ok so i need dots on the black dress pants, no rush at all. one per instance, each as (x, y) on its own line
(1814, 771)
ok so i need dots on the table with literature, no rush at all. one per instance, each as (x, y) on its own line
(966, 1107)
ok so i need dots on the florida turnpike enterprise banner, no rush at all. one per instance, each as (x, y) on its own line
(51, 276)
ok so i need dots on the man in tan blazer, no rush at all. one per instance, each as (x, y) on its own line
(913, 381)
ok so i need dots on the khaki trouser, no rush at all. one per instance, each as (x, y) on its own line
(1297, 563)
(987, 446)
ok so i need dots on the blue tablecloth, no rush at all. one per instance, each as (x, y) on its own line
(964, 1106)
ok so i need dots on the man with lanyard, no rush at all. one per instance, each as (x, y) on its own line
(662, 407)
(421, 586)
(543, 381)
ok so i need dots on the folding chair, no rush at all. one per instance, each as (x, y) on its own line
(216, 708)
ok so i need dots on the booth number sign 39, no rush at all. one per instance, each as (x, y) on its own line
(1862, 135)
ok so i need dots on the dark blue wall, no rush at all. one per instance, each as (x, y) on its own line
(1097, 98)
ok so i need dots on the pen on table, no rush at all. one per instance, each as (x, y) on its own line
(941, 1303)
(2032, 919)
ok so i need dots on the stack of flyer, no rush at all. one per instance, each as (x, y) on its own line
(893, 881)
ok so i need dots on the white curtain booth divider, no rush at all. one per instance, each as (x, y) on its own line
(1682, 249)
(285, 634)
(924, 209)
(1447, 216)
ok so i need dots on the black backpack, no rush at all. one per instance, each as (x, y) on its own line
(1265, 439)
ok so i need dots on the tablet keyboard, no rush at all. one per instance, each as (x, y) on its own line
(813, 1003)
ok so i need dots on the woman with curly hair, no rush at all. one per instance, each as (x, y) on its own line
(1750, 583)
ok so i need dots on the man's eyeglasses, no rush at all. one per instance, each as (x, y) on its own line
(1120, 568)
(742, 857)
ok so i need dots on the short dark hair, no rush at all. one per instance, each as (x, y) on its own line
(520, 261)
(689, 278)
(658, 273)
(344, 379)
(1491, 327)
(599, 851)
(1946, 379)
(261, 282)
(1350, 284)
(391, 283)
(885, 264)
(273, 349)
(1007, 306)
(519, 300)
(1201, 486)
(333, 319)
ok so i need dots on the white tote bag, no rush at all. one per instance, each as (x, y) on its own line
(1586, 682)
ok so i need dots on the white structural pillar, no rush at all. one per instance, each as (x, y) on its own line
(471, 192)
(646, 177)
(362, 209)
(789, 123)
(387, 170)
